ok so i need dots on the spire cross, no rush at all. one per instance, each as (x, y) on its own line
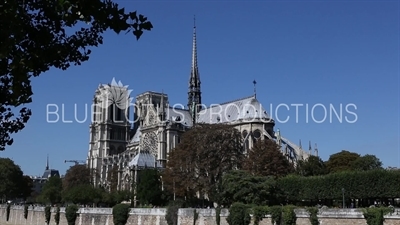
(254, 83)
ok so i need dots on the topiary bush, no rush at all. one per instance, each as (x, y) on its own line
(172, 212)
(70, 214)
(289, 216)
(57, 215)
(195, 216)
(218, 215)
(313, 215)
(259, 213)
(8, 209)
(47, 214)
(26, 211)
(120, 214)
(276, 214)
(239, 214)
(375, 216)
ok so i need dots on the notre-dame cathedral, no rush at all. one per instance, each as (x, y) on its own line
(117, 142)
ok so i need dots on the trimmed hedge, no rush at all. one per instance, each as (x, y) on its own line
(26, 211)
(363, 185)
(47, 214)
(71, 214)
(374, 216)
(57, 216)
(120, 214)
(238, 214)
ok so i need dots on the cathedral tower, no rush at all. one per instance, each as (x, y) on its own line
(194, 94)
(109, 130)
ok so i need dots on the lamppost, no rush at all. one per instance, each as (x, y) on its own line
(343, 196)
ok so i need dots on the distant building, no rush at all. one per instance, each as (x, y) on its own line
(38, 181)
(392, 168)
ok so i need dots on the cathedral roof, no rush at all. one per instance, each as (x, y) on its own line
(50, 173)
(180, 116)
(245, 109)
(136, 137)
(144, 160)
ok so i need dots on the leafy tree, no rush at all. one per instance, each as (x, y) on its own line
(241, 186)
(76, 175)
(60, 33)
(11, 178)
(313, 166)
(367, 162)
(82, 194)
(198, 163)
(26, 187)
(341, 161)
(149, 187)
(266, 159)
(118, 197)
(51, 192)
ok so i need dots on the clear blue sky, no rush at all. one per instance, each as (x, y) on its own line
(305, 52)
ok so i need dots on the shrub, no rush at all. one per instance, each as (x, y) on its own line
(26, 211)
(172, 212)
(70, 214)
(259, 213)
(195, 216)
(289, 216)
(218, 215)
(313, 215)
(374, 216)
(276, 214)
(120, 214)
(57, 216)
(8, 212)
(47, 214)
(238, 214)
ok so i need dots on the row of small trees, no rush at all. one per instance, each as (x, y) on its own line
(120, 214)
(364, 186)
(239, 214)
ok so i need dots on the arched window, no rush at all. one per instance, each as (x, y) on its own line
(244, 134)
(119, 115)
(257, 134)
(111, 111)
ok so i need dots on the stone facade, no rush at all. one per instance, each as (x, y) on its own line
(156, 127)
(103, 216)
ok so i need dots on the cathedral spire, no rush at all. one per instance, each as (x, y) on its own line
(161, 108)
(194, 93)
(47, 162)
(255, 91)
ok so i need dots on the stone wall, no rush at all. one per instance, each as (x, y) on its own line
(156, 216)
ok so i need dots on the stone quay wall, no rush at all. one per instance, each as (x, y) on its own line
(156, 216)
